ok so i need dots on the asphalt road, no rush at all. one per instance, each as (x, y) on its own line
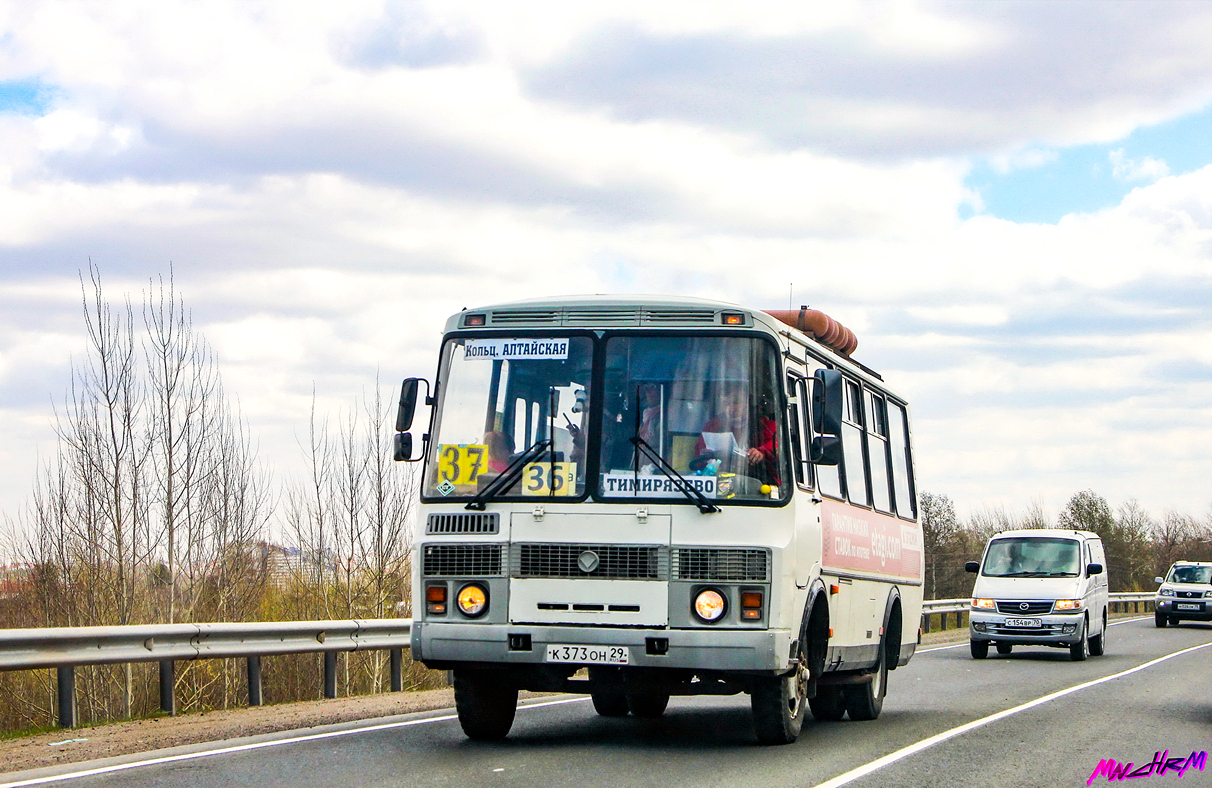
(1163, 703)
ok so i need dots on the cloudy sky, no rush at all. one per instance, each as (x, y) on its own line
(1010, 203)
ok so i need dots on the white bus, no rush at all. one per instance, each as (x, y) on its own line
(640, 497)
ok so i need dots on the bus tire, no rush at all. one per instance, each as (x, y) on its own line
(828, 705)
(485, 706)
(865, 701)
(647, 704)
(608, 691)
(779, 703)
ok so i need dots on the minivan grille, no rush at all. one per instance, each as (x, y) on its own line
(710, 563)
(624, 562)
(1011, 607)
(461, 560)
(478, 523)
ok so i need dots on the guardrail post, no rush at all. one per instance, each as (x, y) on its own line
(254, 681)
(397, 670)
(330, 674)
(168, 681)
(67, 696)
(926, 624)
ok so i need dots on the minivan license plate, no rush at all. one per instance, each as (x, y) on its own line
(1024, 622)
(1181, 606)
(589, 655)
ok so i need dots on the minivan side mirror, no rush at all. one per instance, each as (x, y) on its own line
(1158, 580)
(972, 566)
(1094, 569)
(827, 402)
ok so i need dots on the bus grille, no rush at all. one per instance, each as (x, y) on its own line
(461, 560)
(623, 562)
(462, 523)
(713, 563)
(679, 316)
(1016, 608)
(509, 317)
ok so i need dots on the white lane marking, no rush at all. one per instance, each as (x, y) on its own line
(961, 645)
(121, 767)
(905, 752)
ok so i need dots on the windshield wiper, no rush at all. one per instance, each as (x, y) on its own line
(684, 487)
(508, 476)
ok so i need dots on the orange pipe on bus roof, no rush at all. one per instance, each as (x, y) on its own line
(827, 330)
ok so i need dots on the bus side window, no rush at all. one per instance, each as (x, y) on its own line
(852, 445)
(877, 451)
(902, 479)
(800, 430)
(828, 477)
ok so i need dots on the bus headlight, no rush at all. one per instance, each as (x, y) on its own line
(472, 600)
(709, 605)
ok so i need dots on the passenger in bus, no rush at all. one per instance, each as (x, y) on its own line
(728, 437)
(500, 448)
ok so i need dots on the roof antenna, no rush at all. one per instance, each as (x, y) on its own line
(790, 293)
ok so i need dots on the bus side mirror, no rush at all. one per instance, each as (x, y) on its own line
(827, 450)
(972, 566)
(402, 448)
(408, 404)
(827, 402)
(1094, 569)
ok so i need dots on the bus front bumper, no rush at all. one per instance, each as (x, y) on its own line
(444, 645)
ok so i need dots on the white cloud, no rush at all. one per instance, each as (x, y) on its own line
(1146, 168)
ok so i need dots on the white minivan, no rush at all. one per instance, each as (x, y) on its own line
(1040, 587)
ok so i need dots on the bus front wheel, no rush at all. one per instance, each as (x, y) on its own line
(778, 706)
(485, 706)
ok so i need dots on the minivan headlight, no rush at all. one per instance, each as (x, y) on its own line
(983, 604)
(1067, 604)
(1166, 592)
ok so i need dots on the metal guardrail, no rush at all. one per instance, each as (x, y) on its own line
(65, 648)
(941, 607)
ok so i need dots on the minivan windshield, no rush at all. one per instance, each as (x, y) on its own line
(1031, 556)
(1191, 574)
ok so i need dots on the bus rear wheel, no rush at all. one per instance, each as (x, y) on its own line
(828, 705)
(778, 704)
(865, 701)
(485, 706)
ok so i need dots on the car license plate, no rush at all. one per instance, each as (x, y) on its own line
(589, 655)
(1181, 606)
(1033, 623)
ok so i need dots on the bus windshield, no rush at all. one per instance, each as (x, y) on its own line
(707, 406)
(1032, 557)
(501, 396)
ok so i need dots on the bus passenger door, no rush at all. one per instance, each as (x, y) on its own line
(807, 511)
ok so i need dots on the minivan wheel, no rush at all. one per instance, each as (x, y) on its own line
(1081, 649)
(1004, 648)
(980, 649)
(1098, 643)
(1159, 620)
(1173, 621)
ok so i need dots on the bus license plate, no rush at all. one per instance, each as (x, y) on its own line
(589, 655)
(1023, 622)
(1181, 606)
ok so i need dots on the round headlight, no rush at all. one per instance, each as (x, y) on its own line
(472, 600)
(709, 605)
